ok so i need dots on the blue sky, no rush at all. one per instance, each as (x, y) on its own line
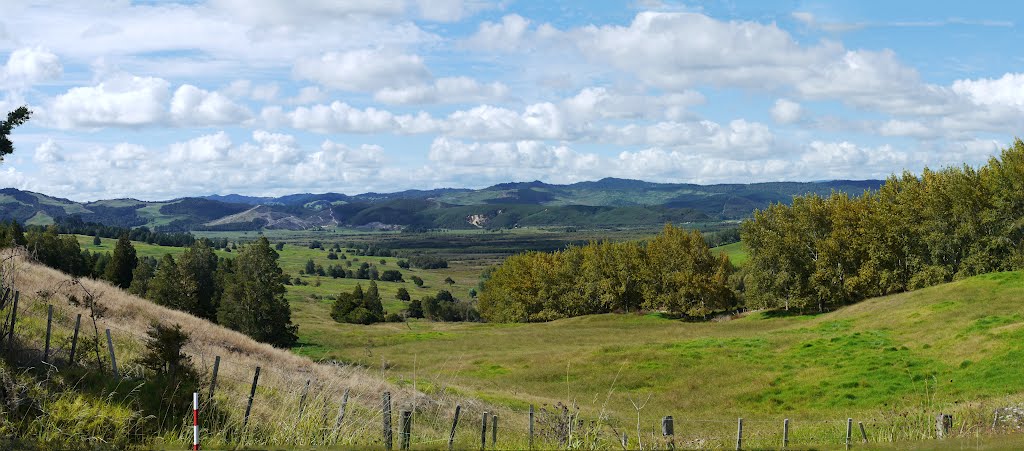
(157, 100)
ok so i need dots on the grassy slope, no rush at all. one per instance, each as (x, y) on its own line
(914, 353)
(93, 407)
(737, 252)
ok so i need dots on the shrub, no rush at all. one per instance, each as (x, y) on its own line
(391, 275)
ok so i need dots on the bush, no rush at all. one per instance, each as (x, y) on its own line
(360, 316)
(393, 318)
(392, 275)
(403, 295)
(444, 307)
(415, 309)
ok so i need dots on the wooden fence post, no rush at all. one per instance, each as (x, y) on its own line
(455, 422)
(113, 359)
(531, 426)
(739, 434)
(74, 339)
(849, 432)
(863, 433)
(341, 413)
(943, 423)
(49, 326)
(213, 379)
(494, 431)
(252, 394)
(483, 433)
(385, 400)
(14, 321)
(406, 434)
(785, 433)
(625, 441)
(668, 430)
(302, 401)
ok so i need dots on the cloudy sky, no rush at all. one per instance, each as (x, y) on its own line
(156, 100)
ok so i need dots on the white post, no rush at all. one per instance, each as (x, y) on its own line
(195, 420)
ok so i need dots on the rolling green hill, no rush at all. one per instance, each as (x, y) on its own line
(891, 362)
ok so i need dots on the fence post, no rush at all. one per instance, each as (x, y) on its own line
(113, 359)
(531, 426)
(406, 429)
(195, 420)
(863, 433)
(341, 412)
(49, 325)
(385, 400)
(74, 339)
(995, 418)
(302, 401)
(943, 423)
(849, 431)
(455, 422)
(625, 441)
(785, 433)
(483, 433)
(213, 379)
(668, 430)
(248, 406)
(739, 434)
(494, 431)
(14, 321)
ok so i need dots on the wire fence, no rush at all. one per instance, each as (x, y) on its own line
(301, 407)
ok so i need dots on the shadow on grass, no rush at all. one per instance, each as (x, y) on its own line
(781, 313)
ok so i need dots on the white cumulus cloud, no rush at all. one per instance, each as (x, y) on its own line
(363, 70)
(193, 106)
(786, 111)
(28, 66)
(121, 101)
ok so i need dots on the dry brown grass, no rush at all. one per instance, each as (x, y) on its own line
(275, 419)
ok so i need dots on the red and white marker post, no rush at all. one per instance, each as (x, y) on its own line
(195, 420)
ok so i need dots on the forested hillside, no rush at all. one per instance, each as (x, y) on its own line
(605, 203)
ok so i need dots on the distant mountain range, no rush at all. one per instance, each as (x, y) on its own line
(608, 202)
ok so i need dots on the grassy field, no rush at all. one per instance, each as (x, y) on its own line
(293, 258)
(897, 360)
(737, 252)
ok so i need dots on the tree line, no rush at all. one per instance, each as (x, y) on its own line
(915, 231)
(74, 225)
(674, 272)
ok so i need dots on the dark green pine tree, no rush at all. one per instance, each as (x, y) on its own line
(253, 302)
(18, 234)
(140, 278)
(198, 267)
(122, 263)
(15, 118)
(166, 286)
(372, 302)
